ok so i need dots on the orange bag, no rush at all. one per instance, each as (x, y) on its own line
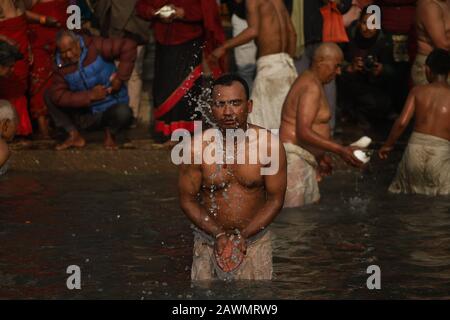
(333, 24)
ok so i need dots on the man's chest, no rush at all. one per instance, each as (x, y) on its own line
(324, 113)
(222, 176)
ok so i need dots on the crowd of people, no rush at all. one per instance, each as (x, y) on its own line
(302, 66)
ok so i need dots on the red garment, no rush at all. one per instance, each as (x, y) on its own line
(43, 44)
(178, 31)
(214, 34)
(398, 16)
(202, 18)
(14, 88)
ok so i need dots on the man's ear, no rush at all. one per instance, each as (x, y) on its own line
(250, 106)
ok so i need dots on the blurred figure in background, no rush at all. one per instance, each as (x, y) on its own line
(398, 25)
(271, 27)
(245, 55)
(8, 127)
(118, 19)
(190, 29)
(367, 78)
(88, 90)
(14, 27)
(425, 166)
(313, 33)
(433, 31)
(42, 36)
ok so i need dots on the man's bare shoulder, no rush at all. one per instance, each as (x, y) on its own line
(307, 84)
(426, 92)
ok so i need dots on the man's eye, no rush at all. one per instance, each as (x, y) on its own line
(219, 104)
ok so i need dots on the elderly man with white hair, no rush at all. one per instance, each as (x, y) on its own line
(8, 126)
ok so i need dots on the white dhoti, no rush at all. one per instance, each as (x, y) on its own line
(302, 185)
(425, 167)
(275, 75)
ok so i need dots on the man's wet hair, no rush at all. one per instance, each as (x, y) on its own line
(228, 79)
(9, 54)
(439, 62)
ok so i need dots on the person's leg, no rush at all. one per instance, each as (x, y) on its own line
(114, 120)
(202, 266)
(63, 120)
(135, 82)
(40, 81)
(257, 264)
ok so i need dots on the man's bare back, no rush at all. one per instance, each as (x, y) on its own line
(307, 88)
(433, 25)
(432, 104)
(269, 24)
(275, 27)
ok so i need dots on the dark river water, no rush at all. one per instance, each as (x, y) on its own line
(131, 241)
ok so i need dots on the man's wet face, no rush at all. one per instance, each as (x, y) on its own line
(6, 70)
(69, 50)
(230, 106)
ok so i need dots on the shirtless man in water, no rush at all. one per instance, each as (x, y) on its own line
(433, 31)
(425, 167)
(231, 205)
(270, 25)
(305, 129)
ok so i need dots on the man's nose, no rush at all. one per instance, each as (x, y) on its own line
(228, 109)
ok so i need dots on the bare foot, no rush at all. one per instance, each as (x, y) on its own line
(110, 142)
(74, 140)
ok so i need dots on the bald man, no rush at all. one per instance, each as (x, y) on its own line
(305, 129)
(433, 31)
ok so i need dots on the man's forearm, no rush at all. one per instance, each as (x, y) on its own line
(263, 218)
(199, 216)
(244, 37)
(396, 132)
(313, 139)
